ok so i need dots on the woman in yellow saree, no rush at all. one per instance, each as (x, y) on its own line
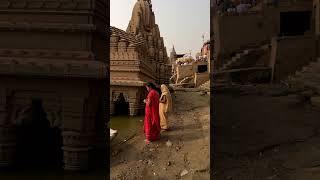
(165, 106)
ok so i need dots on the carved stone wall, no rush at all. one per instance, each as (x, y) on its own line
(134, 95)
(73, 112)
(55, 51)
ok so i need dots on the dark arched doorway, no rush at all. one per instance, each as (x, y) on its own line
(38, 145)
(121, 105)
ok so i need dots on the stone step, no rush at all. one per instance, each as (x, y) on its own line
(309, 75)
(312, 67)
(242, 53)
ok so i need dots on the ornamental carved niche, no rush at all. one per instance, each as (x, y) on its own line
(115, 96)
(23, 115)
(150, 40)
(161, 56)
(22, 104)
(122, 44)
(159, 43)
(151, 52)
(114, 39)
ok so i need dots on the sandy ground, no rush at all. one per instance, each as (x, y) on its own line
(265, 133)
(182, 153)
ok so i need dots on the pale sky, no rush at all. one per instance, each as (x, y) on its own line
(181, 22)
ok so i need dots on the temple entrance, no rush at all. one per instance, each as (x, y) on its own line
(202, 68)
(121, 106)
(295, 23)
(38, 145)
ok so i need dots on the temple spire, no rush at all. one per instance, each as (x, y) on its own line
(173, 53)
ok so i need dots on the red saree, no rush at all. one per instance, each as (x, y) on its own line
(151, 119)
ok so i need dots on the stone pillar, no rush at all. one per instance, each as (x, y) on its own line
(76, 143)
(112, 106)
(7, 135)
(134, 103)
(76, 147)
(7, 146)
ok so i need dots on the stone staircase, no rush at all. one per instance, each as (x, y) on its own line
(205, 86)
(245, 58)
(186, 80)
(308, 77)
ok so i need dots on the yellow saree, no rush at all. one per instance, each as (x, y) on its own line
(165, 106)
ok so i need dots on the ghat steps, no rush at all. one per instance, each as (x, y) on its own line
(308, 77)
(245, 58)
(205, 86)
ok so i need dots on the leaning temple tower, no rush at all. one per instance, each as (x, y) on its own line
(137, 56)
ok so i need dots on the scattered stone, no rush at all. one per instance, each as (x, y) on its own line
(140, 161)
(169, 143)
(151, 149)
(184, 172)
(154, 174)
(169, 163)
(141, 120)
(178, 148)
(149, 162)
(164, 168)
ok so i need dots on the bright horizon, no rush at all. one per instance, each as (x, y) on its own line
(181, 22)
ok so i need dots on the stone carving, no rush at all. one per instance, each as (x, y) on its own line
(66, 73)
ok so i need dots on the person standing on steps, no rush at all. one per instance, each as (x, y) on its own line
(151, 124)
(165, 107)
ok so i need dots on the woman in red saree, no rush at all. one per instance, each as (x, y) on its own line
(152, 119)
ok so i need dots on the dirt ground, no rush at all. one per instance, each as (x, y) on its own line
(182, 153)
(265, 133)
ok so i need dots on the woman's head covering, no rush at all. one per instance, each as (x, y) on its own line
(151, 85)
(165, 92)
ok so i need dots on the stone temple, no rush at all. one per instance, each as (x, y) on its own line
(137, 56)
(53, 82)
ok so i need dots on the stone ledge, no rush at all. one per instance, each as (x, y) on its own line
(49, 54)
(50, 4)
(127, 83)
(84, 69)
(47, 27)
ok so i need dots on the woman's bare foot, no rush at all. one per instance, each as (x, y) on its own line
(164, 129)
(147, 141)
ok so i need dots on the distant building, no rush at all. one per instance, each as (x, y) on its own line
(190, 72)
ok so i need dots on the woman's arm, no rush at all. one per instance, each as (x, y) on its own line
(148, 101)
(163, 99)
